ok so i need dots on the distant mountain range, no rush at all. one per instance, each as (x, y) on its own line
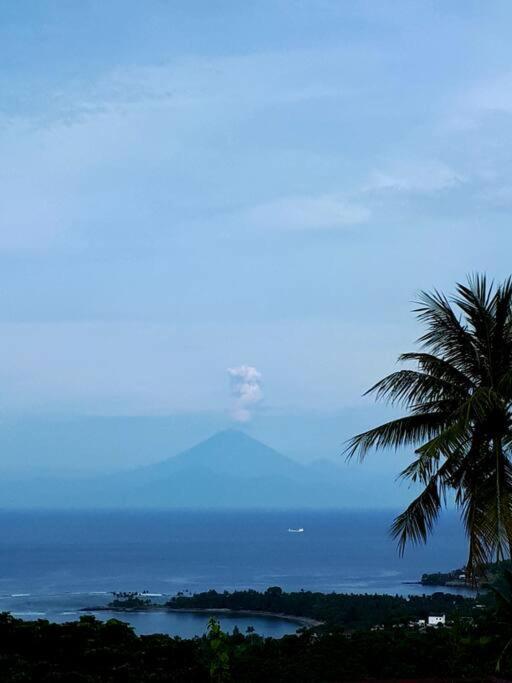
(230, 469)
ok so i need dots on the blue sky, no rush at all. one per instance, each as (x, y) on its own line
(189, 187)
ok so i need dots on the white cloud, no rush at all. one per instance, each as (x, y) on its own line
(323, 212)
(415, 177)
(490, 95)
(473, 106)
(237, 81)
(116, 148)
(34, 202)
(499, 196)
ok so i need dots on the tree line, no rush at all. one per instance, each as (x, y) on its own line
(89, 651)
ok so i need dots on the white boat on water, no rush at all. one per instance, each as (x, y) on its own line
(296, 531)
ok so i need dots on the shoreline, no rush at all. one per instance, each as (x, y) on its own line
(447, 586)
(303, 621)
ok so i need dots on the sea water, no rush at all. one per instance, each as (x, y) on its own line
(53, 564)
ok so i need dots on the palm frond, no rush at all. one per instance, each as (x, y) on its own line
(440, 368)
(446, 335)
(451, 441)
(396, 433)
(423, 468)
(409, 387)
(417, 521)
(458, 399)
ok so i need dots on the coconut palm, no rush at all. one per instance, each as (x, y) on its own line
(458, 398)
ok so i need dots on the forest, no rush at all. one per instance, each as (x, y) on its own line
(335, 609)
(90, 651)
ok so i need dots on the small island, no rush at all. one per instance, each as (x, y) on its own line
(130, 601)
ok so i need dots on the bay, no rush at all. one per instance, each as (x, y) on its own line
(52, 564)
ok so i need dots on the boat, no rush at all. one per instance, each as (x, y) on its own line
(296, 531)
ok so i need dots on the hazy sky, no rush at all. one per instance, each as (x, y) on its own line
(188, 187)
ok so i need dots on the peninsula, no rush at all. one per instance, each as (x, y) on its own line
(307, 608)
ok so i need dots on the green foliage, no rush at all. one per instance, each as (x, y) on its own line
(219, 661)
(459, 401)
(339, 609)
(89, 651)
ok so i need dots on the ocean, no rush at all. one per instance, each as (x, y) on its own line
(53, 564)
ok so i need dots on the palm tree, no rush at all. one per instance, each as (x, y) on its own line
(458, 399)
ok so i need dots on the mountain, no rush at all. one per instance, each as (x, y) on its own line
(230, 452)
(229, 469)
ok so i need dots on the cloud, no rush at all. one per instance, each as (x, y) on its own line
(143, 368)
(136, 142)
(241, 81)
(322, 212)
(497, 197)
(418, 178)
(246, 391)
(492, 95)
(480, 105)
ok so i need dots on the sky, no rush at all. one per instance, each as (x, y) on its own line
(188, 189)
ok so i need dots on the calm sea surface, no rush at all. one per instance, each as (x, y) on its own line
(52, 564)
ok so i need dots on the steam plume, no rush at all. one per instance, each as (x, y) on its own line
(246, 391)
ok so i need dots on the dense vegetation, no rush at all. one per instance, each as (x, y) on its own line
(492, 574)
(336, 609)
(89, 651)
(451, 578)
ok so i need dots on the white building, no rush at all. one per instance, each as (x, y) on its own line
(436, 620)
